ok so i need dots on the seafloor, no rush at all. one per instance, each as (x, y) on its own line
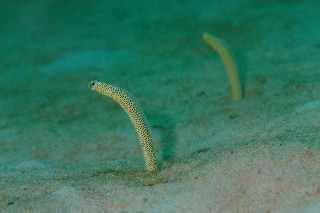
(64, 148)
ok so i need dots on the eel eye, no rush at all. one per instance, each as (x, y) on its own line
(91, 84)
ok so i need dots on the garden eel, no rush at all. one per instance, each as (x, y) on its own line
(228, 61)
(137, 117)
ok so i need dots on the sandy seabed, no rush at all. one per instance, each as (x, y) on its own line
(65, 148)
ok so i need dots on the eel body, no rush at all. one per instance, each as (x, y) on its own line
(226, 56)
(130, 105)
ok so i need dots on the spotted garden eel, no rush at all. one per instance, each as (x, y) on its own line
(228, 61)
(137, 117)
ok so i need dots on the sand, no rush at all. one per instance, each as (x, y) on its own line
(65, 148)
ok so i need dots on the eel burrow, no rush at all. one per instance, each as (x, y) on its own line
(226, 56)
(137, 117)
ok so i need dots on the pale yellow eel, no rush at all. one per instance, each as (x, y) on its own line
(137, 117)
(228, 61)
